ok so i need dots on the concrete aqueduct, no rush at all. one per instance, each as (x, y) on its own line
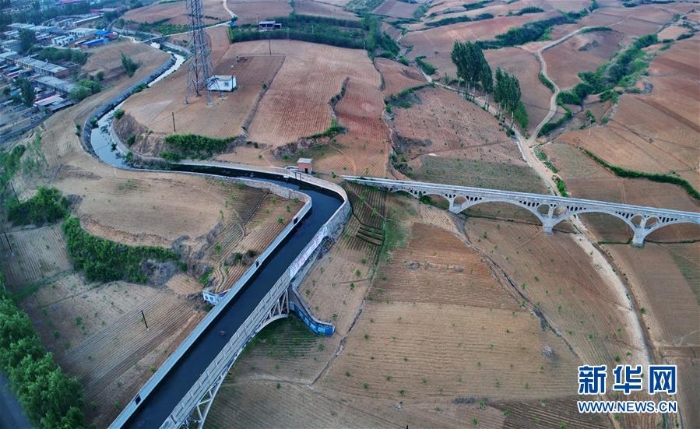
(550, 210)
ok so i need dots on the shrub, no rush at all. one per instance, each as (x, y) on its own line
(104, 260)
(47, 206)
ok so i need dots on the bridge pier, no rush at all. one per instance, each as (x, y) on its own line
(642, 220)
(638, 238)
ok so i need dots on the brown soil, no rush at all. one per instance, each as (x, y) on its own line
(524, 66)
(672, 32)
(436, 43)
(582, 52)
(154, 107)
(665, 281)
(254, 11)
(396, 9)
(445, 139)
(107, 59)
(293, 107)
(657, 132)
(396, 76)
(632, 22)
(176, 13)
(585, 178)
(312, 7)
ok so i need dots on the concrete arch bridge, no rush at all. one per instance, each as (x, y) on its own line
(549, 209)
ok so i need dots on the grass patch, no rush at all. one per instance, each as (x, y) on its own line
(546, 82)
(363, 34)
(9, 161)
(428, 68)
(193, 146)
(481, 174)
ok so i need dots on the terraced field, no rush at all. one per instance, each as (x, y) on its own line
(33, 256)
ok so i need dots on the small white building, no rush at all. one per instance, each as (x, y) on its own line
(62, 40)
(305, 165)
(222, 83)
(82, 33)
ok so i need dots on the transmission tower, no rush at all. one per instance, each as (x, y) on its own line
(200, 68)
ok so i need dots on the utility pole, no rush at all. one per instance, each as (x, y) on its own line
(144, 320)
(173, 113)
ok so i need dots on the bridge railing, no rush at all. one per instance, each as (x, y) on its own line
(228, 354)
(243, 335)
(437, 188)
(172, 360)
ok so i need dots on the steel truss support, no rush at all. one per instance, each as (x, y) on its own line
(279, 310)
(200, 69)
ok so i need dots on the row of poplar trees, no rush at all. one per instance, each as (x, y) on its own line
(475, 71)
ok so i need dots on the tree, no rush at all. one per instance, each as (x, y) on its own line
(27, 91)
(129, 65)
(507, 93)
(486, 80)
(27, 39)
(472, 66)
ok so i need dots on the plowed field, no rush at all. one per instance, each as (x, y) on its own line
(582, 52)
(396, 9)
(524, 65)
(396, 76)
(436, 43)
(254, 11)
(154, 107)
(176, 13)
(585, 178)
(31, 257)
(665, 279)
(296, 102)
(312, 7)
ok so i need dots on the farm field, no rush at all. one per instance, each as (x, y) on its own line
(175, 12)
(312, 7)
(657, 132)
(524, 66)
(585, 178)
(33, 257)
(632, 22)
(665, 279)
(443, 138)
(107, 59)
(253, 11)
(436, 43)
(386, 373)
(152, 109)
(582, 52)
(252, 229)
(396, 9)
(452, 9)
(292, 107)
(95, 330)
(396, 76)
(97, 334)
(580, 298)
(477, 319)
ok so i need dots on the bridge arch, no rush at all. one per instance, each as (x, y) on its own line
(550, 210)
